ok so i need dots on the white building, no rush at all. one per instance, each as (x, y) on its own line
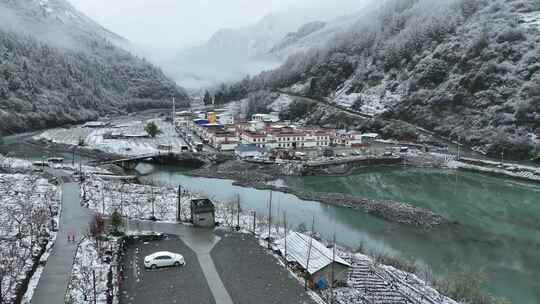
(264, 118)
(369, 137)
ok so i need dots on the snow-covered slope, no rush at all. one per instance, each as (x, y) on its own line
(317, 36)
(456, 67)
(58, 66)
(51, 20)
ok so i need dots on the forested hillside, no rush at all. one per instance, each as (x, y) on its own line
(467, 69)
(58, 67)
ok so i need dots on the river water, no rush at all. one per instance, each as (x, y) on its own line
(498, 230)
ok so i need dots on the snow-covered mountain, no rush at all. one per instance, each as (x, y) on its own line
(58, 66)
(461, 68)
(45, 18)
(231, 54)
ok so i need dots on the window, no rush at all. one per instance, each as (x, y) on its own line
(163, 257)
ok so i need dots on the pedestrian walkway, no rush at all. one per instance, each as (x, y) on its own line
(74, 219)
(201, 241)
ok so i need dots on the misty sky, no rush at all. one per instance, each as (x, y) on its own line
(180, 23)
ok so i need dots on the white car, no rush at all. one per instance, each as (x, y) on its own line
(164, 259)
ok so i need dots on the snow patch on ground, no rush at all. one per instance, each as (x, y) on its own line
(9, 164)
(29, 206)
(281, 103)
(92, 259)
(299, 88)
(531, 20)
(96, 138)
(375, 100)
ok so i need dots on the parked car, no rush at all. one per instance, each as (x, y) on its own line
(163, 259)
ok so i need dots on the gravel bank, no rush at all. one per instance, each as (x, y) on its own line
(257, 176)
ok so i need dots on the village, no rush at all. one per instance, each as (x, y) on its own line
(266, 138)
(125, 217)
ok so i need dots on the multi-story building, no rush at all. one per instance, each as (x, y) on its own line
(279, 137)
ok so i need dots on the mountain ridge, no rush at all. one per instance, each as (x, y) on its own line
(466, 69)
(57, 66)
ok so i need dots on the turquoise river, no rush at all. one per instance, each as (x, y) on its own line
(497, 228)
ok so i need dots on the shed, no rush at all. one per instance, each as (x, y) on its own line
(202, 212)
(321, 262)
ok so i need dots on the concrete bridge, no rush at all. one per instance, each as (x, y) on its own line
(130, 162)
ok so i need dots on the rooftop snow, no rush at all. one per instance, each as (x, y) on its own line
(298, 251)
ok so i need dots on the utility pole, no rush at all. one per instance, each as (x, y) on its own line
(94, 281)
(502, 157)
(73, 159)
(285, 240)
(269, 218)
(309, 252)
(238, 213)
(173, 112)
(179, 207)
(122, 199)
(254, 221)
(152, 198)
(102, 202)
(458, 147)
(332, 278)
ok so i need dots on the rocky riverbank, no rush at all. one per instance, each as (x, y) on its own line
(258, 176)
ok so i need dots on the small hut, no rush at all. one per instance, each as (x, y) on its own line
(314, 259)
(202, 212)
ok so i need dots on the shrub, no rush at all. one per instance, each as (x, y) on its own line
(116, 222)
(394, 261)
(479, 44)
(511, 35)
(152, 129)
(466, 286)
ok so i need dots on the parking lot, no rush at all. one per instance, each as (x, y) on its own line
(252, 275)
(249, 274)
(164, 285)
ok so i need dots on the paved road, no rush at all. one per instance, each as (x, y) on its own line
(165, 285)
(201, 241)
(251, 275)
(73, 219)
